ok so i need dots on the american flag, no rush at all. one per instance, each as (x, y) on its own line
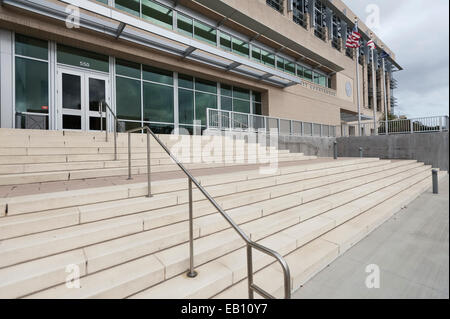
(353, 38)
(371, 45)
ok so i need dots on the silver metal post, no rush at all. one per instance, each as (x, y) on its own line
(115, 139)
(385, 97)
(149, 181)
(434, 173)
(100, 107)
(106, 123)
(191, 273)
(374, 93)
(251, 294)
(335, 152)
(129, 155)
(358, 102)
(361, 152)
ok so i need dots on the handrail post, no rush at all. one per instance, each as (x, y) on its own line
(100, 107)
(129, 155)
(149, 181)
(191, 273)
(251, 294)
(115, 139)
(335, 151)
(106, 123)
(434, 175)
(361, 152)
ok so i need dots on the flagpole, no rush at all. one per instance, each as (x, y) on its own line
(357, 84)
(385, 93)
(374, 90)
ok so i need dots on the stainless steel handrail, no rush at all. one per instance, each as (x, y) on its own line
(100, 108)
(252, 287)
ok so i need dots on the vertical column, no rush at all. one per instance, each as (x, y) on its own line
(329, 22)
(6, 79)
(311, 21)
(176, 117)
(388, 90)
(112, 90)
(53, 112)
(380, 89)
(365, 82)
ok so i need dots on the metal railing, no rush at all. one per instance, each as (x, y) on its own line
(398, 126)
(252, 287)
(236, 121)
(105, 106)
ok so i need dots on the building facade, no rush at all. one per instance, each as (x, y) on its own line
(163, 63)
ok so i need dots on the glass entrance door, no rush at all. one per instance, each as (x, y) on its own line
(79, 97)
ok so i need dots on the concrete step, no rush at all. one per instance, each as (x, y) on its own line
(32, 203)
(207, 224)
(307, 260)
(235, 263)
(176, 264)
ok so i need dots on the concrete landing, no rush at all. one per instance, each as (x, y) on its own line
(411, 250)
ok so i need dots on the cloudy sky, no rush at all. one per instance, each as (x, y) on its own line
(418, 32)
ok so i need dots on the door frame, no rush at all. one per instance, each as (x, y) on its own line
(84, 112)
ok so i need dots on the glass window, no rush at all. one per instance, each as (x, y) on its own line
(289, 67)
(103, 1)
(71, 91)
(323, 80)
(225, 41)
(204, 32)
(226, 90)
(241, 106)
(316, 77)
(127, 68)
(206, 86)
(257, 108)
(280, 63)
(226, 103)
(31, 47)
(202, 102)
(240, 47)
(307, 74)
(83, 58)
(186, 106)
(256, 54)
(130, 6)
(257, 97)
(268, 58)
(158, 103)
(161, 128)
(123, 126)
(128, 99)
(157, 75)
(185, 81)
(299, 71)
(31, 86)
(185, 25)
(241, 93)
(157, 14)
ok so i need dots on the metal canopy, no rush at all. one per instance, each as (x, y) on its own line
(112, 22)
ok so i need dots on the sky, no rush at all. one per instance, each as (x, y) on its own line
(418, 33)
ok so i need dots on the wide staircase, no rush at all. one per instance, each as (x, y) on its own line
(124, 244)
(28, 156)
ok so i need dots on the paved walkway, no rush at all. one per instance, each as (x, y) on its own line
(411, 250)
